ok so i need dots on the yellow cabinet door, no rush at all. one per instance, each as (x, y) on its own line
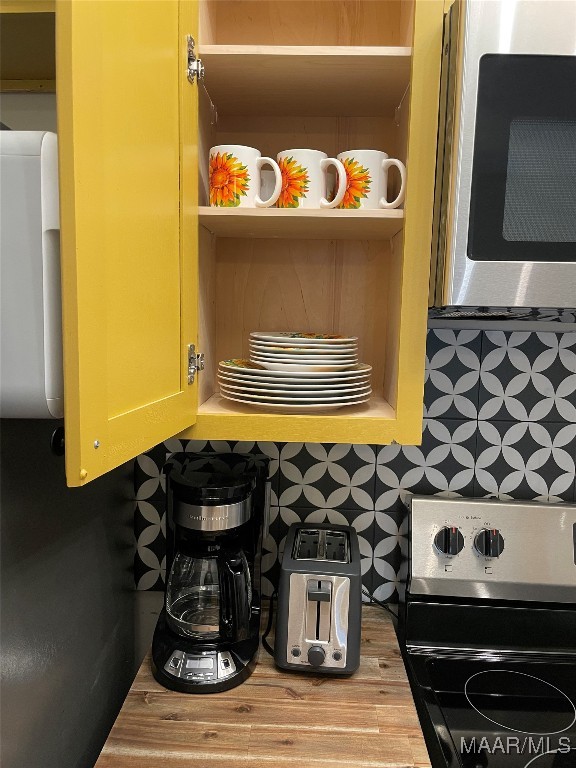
(127, 125)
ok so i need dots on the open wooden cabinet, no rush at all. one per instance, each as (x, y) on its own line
(152, 276)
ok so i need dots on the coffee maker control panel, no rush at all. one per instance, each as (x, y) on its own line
(201, 667)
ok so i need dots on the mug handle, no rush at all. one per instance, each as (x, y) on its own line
(387, 163)
(258, 202)
(342, 182)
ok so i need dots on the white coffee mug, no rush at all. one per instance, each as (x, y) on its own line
(304, 179)
(367, 179)
(235, 179)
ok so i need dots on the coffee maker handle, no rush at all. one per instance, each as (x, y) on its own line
(236, 576)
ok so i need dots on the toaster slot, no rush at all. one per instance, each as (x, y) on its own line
(307, 545)
(337, 546)
(319, 602)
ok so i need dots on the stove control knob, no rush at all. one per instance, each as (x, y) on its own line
(489, 542)
(316, 656)
(449, 540)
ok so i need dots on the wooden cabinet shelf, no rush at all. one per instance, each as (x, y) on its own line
(221, 418)
(302, 224)
(306, 80)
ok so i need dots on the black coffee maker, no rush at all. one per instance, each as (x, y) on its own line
(207, 636)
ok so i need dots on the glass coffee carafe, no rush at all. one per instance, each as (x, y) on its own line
(209, 594)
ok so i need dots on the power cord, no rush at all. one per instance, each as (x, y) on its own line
(267, 647)
(374, 601)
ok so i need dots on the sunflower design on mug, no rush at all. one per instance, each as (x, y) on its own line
(357, 183)
(229, 180)
(294, 182)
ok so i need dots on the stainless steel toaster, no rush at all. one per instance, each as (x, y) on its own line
(319, 600)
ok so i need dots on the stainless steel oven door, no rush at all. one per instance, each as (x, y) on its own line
(512, 204)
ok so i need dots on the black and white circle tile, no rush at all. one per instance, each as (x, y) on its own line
(526, 460)
(500, 420)
(452, 377)
(528, 377)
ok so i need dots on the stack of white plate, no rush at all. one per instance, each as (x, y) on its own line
(297, 384)
(303, 352)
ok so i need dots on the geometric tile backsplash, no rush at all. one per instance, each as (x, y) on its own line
(499, 420)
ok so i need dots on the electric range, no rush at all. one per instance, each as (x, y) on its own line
(488, 631)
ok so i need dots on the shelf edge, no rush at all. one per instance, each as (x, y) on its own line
(306, 50)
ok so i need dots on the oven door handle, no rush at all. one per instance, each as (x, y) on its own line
(489, 654)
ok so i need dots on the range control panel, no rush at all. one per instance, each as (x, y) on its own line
(488, 548)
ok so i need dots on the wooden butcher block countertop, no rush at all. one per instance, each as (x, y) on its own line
(278, 719)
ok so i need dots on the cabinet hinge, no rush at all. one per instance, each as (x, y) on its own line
(195, 362)
(195, 67)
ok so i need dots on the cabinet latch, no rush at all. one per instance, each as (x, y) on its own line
(195, 363)
(195, 66)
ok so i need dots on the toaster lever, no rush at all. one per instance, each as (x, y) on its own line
(320, 593)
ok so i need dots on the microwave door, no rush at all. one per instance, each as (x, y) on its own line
(513, 239)
(523, 193)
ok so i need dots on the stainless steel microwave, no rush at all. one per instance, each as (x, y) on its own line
(505, 201)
